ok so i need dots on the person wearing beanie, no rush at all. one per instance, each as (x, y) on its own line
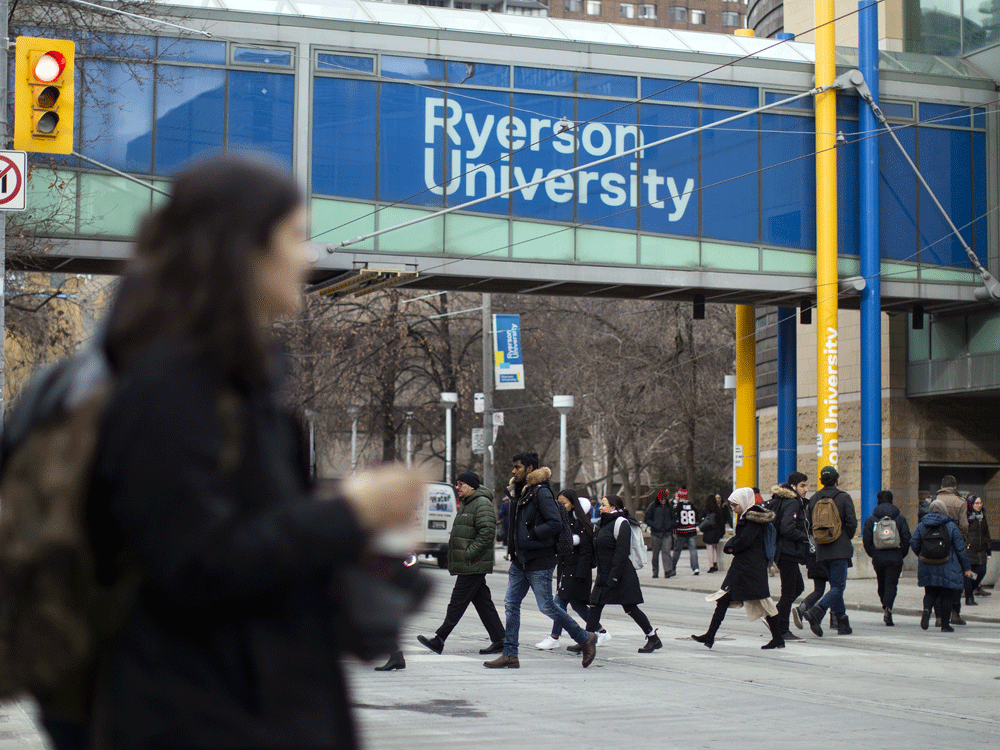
(470, 558)
(685, 529)
(659, 517)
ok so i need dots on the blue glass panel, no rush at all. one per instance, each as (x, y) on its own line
(338, 63)
(412, 68)
(897, 197)
(117, 114)
(479, 153)
(254, 56)
(669, 185)
(261, 107)
(191, 50)
(536, 153)
(666, 90)
(731, 184)
(770, 97)
(190, 114)
(343, 115)
(980, 232)
(788, 192)
(979, 118)
(603, 84)
(847, 105)
(848, 185)
(412, 144)
(730, 96)
(128, 46)
(479, 74)
(944, 163)
(541, 79)
(944, 114)
(901, 111)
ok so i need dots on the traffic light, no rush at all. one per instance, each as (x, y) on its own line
(43, 95)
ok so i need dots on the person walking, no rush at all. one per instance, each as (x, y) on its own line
(617, 582)
(713, 528)
(470, 559)
(832, 527)
(574, 573)
(746, 582)
(791, 547)
(978, 548)
(956, 507)
(887, 557)
(942, 562)
(200, 487)
(685, 530)
(534, 532)
(659, 517)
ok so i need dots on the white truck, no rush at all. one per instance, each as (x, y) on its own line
(435, 516)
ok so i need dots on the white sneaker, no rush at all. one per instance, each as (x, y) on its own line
(603, 638)
(695, 572)
(548, 643)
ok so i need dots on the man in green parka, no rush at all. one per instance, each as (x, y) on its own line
(470, 558)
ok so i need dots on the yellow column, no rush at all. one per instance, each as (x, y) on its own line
(746, 397)
(826, 241)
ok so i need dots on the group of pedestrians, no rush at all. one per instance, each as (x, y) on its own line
(673, 526)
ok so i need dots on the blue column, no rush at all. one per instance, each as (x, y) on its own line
(871, 296)
(787, 407)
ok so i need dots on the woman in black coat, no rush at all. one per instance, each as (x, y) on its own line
(712, 532)
(200, 488)
(746, 581)
(617, 581)
(978, 547)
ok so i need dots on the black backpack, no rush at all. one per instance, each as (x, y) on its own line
(935, 547)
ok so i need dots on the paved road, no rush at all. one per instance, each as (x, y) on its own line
(881, 687)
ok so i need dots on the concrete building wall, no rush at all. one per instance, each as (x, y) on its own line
(799, 19)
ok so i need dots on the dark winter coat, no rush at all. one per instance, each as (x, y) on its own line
(886, 556)
(715, 532)
(790, 522)
(228, 643)
(535, 521)
(948, 575)
(747, 576)
(659, 517)
(841, 548)
(617, 582)
(957, 508)
(979, 540)
(575, 570)
(470, 547)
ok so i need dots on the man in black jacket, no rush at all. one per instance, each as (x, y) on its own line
(659, 517)
(534, 531)
(789, 507)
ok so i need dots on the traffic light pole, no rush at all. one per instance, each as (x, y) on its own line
(3, 214)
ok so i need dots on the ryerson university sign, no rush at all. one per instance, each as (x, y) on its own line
(477, 170)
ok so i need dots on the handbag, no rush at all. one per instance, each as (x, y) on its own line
(708, 522)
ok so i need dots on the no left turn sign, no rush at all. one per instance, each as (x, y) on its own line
(13, 168)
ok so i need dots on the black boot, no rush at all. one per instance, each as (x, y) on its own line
(435, 644)
(970, 601)
(887, 617)
(925, 619)
(814, 616)
(776, 640)
(653, 642)
(396, 661)
(708, 637)
(946, 626)
(844, 626)
(833, 621)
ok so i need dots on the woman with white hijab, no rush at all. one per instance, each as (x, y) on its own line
(746, 583)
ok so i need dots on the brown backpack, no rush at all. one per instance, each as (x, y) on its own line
(826, 520)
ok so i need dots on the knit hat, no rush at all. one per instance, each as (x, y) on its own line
(663, 495)
(470, 478)
(682, 494)
(828, 475)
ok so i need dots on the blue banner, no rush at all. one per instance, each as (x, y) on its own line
(508, 370)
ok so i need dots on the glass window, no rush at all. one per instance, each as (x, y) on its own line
(944, 161)
(412, 68)
(540, 79)
(678, 14)
(117, 117)
(627, 10)
(647, 11)
(191, 51)
(848, 187)
(593, 7)
(770, 97)
(485, 164)
(259, 56)
(190, 114)
(405, 172)
(665, 90)
(343, 114)
(944, 114)
(608, 194)
(127, 46)
(789, 216)
(260, 112)
(340, 63)
(732, 96)
(902, 111)
(479, 74)
(667, 175)
(897, 197)
(731, 20)
(697, 18)
(552, 200)
(573, 6)
(729, 163)
(604, 84)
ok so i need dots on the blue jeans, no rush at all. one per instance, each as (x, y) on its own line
(579, 607)
(691, 540)
(836, 571)
(539, 581)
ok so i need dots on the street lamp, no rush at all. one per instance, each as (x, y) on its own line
(448, 401)
(729, 384)
(562, 404)
(409, 439)
(354, 412)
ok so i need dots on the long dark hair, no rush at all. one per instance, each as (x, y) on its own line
(192, 280)
(581, 517)
(617, 503)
